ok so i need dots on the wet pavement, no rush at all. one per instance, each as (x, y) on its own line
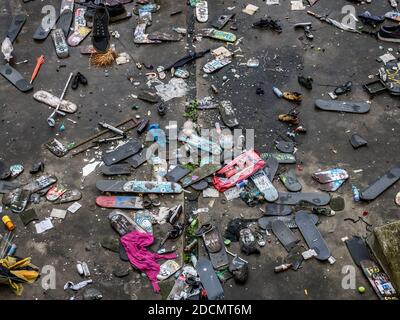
(332, 58)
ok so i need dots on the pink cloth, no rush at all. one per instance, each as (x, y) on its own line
(135, 244)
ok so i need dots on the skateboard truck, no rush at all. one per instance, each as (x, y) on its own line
(112, 128)
(50, 120)
(306, 26)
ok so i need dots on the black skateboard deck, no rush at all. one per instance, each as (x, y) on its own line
(177, 173)
(19, 200)
(357, 141)
(285, 146)
(199, 174)
(137, 159)
(342, 106)
(358, 250)
(273, 209)
(312, 236)
(16, 26)
(381, 184)
(293, 198)
(110, 185)
(287, 238)
(64, 22)
(6, 186)
(15, 78)
(40, 183)
(40, 32)
(271, 168)
(5, 171)
(289, 221)
(115, 169)
(209, 279)
(125, 151)
(290, 181)
(200, 185)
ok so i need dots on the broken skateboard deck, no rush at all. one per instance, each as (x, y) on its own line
(283, 158)
(290, 181)
(342, 106)
(199, 174)
(293, 198)
(201, 143)
(18, 199)
(69, 196)
(265, 222)
(218, 35)
(271, 168)
(209, 280)
(177, 173)
(265, 186)
(16, 26)
(66, 16)
(15, 78)
(137, 159)
(202, 11)
(121, 202)
(228, 114)
(127, 150)
(312, 236)
(200, 185)
(286, 237)
(6, 186)
(381, 184)
(152, 187)
(221, 21)
(40, 183)
(379, 280)
(216, 64)
(48, 22)
(115, 169)
(55, 193)
(273, 209)
(164, 36)
(358, 250)
(53, 101)
(285, 146)
(110, 186)
(330, 175)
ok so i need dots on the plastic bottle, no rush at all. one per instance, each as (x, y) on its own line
(356, 193)
(8, 223)
(277, 92)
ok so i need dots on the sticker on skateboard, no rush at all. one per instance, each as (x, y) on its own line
(152, 187)
(273, 209)
(81, 31)
(127, 150)
(15, 78)
(16, 26)
(19, 200)
(342, 106)
(228, 114)
(115, 169)
(330, 175)
(265, 222)
(55, 193)
(60, 44)
(293, 198)
(381, 184)
(265, 186)
(199, 174)
(209, 279)
(120, 202)
(312, 236)
(290, 181)
(53, 101)
(202, 11)
(287, 238)
(379, 280)
(216, 64)
(218, 35)
(283, 158)
(40, 183)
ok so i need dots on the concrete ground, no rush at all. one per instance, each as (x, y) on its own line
(333, 58)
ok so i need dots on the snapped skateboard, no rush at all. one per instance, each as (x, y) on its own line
(55, 193)
(60, 44)
(202, 11)
(358, 250)
(218, 35)
(289, 221)
(216, 64)
(330, 175)
(290, 181)
(311, 235)
(209, 279)
(6, 186)
(228, 114)
(199, 174)
(15, 78)
(200, 186)
(177, 173)
(283, 158)
(285, 146)
(19, 200)
(331, 186)
(293, 198)
(44, 28)
(379, 280)
(152, 187)
(81, 31)
(40, 183)
(222, 20)
(69, 196)
(271, 168)
(164, 36)
(121, 202)
(66, 16)
(215, 248)
(342, 106)
(381, 184)
(53, 101)
(16, 26)
(265, 186)
(273, 209)
(56, 148)
(110, 186)
(127, 150)
(115, 169)
(287, 238)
